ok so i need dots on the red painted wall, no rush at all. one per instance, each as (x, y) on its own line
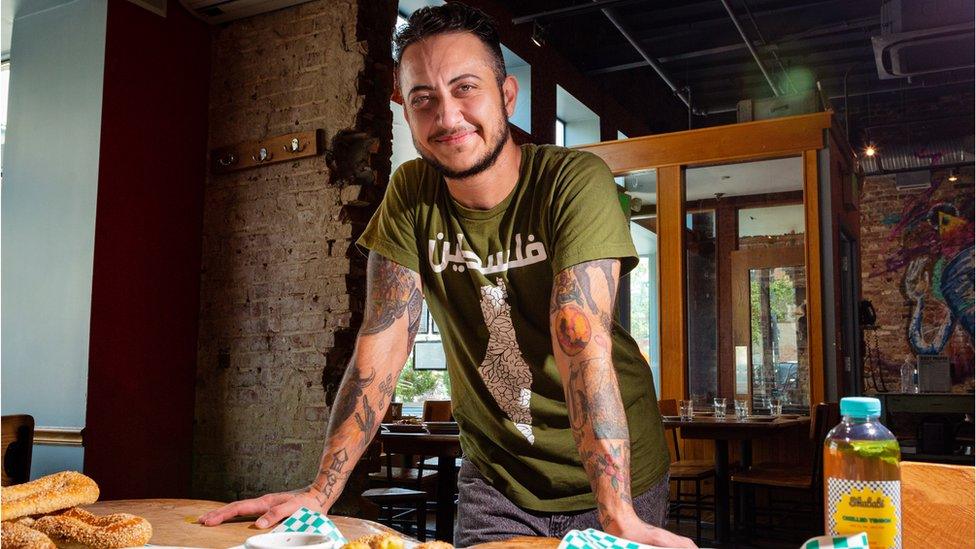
(146, 287)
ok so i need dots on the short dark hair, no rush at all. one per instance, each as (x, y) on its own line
(449, 18)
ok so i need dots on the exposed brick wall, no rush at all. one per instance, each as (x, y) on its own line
(281, 283)
(895, 230)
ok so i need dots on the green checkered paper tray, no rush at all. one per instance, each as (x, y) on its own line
(306, 520)
(859, 541)
(595, 539)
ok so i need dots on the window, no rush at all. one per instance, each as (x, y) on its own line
(644, 321)
(560, 133)
(522, 71)
(424, 377)
(581, 124)
(4, 87)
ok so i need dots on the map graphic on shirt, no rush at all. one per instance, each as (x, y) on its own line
(504, 370)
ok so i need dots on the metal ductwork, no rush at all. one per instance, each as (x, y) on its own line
(935, 154)
(221, 11)
(924, 37)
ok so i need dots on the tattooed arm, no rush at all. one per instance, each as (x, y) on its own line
(581, 320)
(392, 317)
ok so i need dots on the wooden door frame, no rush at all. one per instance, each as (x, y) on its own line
(742, 262)
(671, 154)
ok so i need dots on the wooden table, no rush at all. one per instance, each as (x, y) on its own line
(937, 505)
(446, 448)
(174, 524)
(721, 431)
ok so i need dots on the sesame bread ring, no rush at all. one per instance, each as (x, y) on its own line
(79, 527)
(47, 494)
(18, 536)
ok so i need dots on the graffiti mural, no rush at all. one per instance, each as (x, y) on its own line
(930, 253)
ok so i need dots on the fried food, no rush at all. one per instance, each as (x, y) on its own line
(47, 494)
(379, 541)
(391, 541)
(77, 526)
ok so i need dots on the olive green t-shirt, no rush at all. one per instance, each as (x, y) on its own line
(487, 278)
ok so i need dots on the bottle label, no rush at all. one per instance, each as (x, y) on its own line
(872, 506)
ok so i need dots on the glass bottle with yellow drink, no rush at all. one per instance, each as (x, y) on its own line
(862, 483)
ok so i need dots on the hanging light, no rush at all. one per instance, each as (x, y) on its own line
(870, 151)
(953, 177)
(538, 34)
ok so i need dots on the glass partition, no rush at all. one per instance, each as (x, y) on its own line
(644, 314)
(769, 272)
(701, 281)
(746, 284)
(777, 324)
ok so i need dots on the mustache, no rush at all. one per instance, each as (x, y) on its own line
(454, 131)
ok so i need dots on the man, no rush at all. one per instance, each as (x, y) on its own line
(559, 421)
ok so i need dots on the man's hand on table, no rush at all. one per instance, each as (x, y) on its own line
(642, 532)
(273, 508)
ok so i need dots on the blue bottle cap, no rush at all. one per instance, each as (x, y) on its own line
(860, 406)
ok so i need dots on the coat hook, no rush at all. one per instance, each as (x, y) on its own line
(294, 147)
(227, 160)
(263, 155)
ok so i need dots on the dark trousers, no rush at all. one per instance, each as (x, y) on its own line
(485, 514)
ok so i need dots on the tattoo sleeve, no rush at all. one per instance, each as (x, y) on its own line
(581, 310)
(367, 386)
(391, 290)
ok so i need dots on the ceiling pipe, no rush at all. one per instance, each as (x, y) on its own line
(762, 42)
(680, 93)
(570, 11)
(752, 49)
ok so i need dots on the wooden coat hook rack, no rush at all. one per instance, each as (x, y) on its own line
(253, 154)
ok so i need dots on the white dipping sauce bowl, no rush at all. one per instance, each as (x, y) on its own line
(277, 540)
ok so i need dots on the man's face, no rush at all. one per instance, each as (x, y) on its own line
(457, 114)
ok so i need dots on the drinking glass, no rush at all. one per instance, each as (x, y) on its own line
(741, 410)
(687, 409)
(719, 404)
(775, 407)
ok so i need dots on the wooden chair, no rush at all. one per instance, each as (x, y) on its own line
(687, 470)
(937, 504)
(805, 480)
(17, 445)
(401, 495)
(438, 410)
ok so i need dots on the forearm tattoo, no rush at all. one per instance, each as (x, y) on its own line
(366, 421)
(391, 290)
(331, 476)
(609, 471)
(593, 400)
(351, 390)
(596, 413)
(361, 400)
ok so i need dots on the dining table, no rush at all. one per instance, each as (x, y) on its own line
(721, 431)
(174, 523)
(446, 447)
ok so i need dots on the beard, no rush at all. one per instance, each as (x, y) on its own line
(495, 146)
